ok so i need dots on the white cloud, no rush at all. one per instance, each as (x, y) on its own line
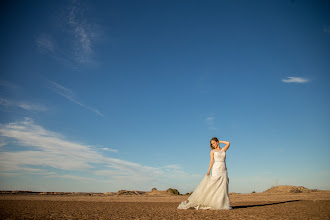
(210, 121)
(31, 107)
(3, 144)
(46, 149)
(109, 149)
(22, 104)
(67, 93)
(68, 176)
(26, 105)
(295, 80)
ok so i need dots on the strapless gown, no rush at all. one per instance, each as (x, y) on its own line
(212, 192)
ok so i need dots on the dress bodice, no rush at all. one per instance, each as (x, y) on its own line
(219, 155)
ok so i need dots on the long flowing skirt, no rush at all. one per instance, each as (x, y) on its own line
(211, 193)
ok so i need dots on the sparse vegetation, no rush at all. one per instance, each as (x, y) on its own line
(173, 191)
(188, 194)
(127, 192)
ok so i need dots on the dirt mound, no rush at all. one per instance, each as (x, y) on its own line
(153, 192)
(169, 191)
(129, 193)
(109, 193)
(288, 189)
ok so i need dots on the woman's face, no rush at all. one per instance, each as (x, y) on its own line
(214, 143)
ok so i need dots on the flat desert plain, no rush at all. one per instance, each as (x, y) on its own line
(312, 205)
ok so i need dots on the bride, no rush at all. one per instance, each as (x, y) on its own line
(212, 192)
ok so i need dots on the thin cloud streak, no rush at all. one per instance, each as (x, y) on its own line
(47, 45)
(68, 176)
(109, 149)
(292, 79)
(7, 84)
(23, 105)
(67, 93)
(210, 121)
(44, 42)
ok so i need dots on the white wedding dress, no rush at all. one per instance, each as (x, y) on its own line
(212, 192)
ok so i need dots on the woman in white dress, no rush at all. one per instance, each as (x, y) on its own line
(212, 192)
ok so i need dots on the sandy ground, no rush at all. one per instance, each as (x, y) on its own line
(314, 205)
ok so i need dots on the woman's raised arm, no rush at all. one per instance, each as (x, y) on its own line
(227, 143)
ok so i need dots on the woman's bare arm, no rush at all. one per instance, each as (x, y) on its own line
(211, 162)
(227, 143)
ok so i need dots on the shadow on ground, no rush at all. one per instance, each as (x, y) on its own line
(274, 203)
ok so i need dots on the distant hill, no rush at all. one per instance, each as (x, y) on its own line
(289, 189)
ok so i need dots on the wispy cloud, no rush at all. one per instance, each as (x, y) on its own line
(22, 104)
(80, 36)
(3, 144)
(47, 45)
(10, 103)
(326, 29)
(46, 150)
(44, 42)
(292, 79)
(68, 176)
(109, 149)
(67, 93)
(210, 121)
(7, 84)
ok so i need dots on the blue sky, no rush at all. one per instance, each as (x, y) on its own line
(99, 96)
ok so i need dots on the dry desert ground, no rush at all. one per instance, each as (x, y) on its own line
(266, 205)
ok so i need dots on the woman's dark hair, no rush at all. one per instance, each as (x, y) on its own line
(214, 139)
